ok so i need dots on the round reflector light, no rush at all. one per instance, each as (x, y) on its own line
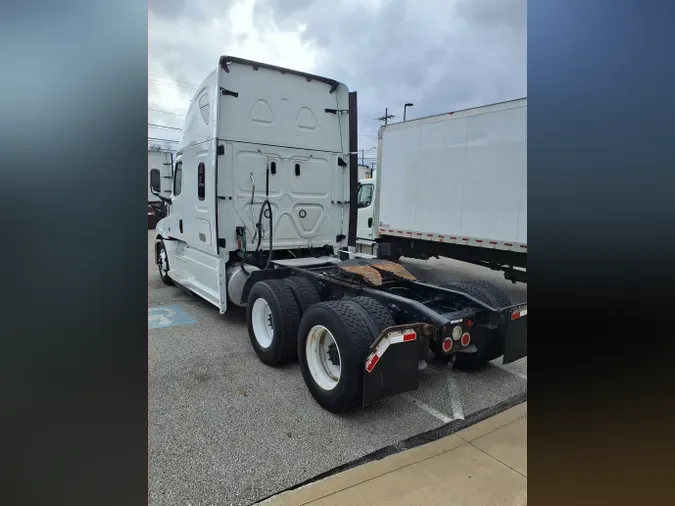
(466, 339)
(447, 344)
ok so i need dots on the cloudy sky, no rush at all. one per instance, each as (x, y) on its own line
(441, 55)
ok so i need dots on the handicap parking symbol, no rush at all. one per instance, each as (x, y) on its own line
(167, 316)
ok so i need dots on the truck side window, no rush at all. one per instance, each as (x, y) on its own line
(178, 179)
(365, 196)
(201, 181)
(204, 104)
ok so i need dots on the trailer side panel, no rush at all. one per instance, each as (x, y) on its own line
(462, 174)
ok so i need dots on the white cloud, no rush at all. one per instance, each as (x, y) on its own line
(185, 49)
(439, 54)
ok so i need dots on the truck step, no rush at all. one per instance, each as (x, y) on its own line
(180, 277)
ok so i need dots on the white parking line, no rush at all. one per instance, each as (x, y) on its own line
(515, 373)
(425, 407)
(455, 397)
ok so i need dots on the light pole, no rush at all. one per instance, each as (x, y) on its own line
(405, 107)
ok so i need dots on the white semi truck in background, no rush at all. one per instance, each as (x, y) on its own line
(262, 216)
(451, 185)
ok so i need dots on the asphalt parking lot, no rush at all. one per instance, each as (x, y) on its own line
(226, 429)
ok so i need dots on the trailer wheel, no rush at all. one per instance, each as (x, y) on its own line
(488, 344)
(272, 318)
(333, 343)
(304, 292)
(163, 264)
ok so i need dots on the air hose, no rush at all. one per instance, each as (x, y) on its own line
(258, 225)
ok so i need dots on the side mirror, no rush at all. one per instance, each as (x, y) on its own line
(155, 184)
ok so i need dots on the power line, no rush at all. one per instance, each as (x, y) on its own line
(155, 76)
(172, 86)
(173, 82)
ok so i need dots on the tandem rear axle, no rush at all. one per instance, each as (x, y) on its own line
(359, 328)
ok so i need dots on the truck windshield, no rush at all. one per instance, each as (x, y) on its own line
(365, 195)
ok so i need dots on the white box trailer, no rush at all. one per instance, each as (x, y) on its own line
(261, 211)
(453, 185)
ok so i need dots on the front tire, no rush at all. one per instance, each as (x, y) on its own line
(334, 341)
(163, 264)
(272, 318)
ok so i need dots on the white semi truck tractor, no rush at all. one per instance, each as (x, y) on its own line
(262, 215)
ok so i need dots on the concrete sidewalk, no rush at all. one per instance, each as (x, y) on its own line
(484, 464)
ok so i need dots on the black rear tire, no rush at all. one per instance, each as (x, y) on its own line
(475, 290)
(304, 292)
(497, 293)
(285, 318)
(379, 315)
(163, 265)
(353, 336)
(472, 361)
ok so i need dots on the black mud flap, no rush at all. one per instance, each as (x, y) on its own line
(515, 332)
(392, 365)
